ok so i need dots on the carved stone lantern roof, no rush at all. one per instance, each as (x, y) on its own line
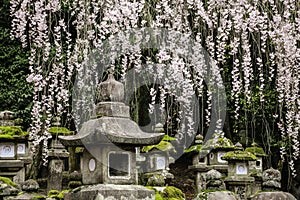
(239, 156)
(113, 124)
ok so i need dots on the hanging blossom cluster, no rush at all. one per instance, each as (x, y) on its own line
(257, 38)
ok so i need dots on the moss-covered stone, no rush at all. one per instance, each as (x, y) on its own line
(12, 132)
(162, 146)
(38, 198)
(8, 181)
(239, 155)
(193, 149)
(219, 143)
(258, 151)
(61, 195)
(53, 192)
(172, 192)
(74, 184)
(60, 131)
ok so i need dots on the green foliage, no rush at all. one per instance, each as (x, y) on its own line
(239, 155)
(15, 91)
(8, 181)
(12, 132)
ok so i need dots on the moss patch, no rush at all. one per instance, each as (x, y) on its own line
(60, 131)
(194, 148)
(258, 151)
(169, 193)
(8, 181)
(12, 132)
(218, 143)
(162, 146)
(239, 155)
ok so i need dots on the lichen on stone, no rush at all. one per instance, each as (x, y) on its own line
(239, 155)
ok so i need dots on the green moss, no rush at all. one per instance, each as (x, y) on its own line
(194, 148)
(12, 132)
(38, 197)
(162, 146)
(258, 151)
(239, 155)
(168, 138)
(171, 192)
(74, 184)
(60, 131)
(53, 193)
(158, 196)
(218, 143)
(8, 181)
(79, 149)
(61, 195)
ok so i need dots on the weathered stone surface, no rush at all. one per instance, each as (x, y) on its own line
(111, 129)
(7, 190)
(111, 192)
(271, 178)
(55, 175)
(111, 90)
(213, 175)
(30, 185)
(156, 180)
(25, 196)
(224, 195)
(274, 196)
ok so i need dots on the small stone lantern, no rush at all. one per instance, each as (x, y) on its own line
(14, 148)
(110, 143)
(239, 180)
(58, 156)
(217, 147)
(256, 167)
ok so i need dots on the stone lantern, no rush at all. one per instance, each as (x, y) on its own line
(239, 180)
(158, 157)
(256, 166)
(58, 156)
(14, 148)
(110, 143)
(217, 147)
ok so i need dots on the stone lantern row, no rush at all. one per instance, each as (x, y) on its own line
(233, 168)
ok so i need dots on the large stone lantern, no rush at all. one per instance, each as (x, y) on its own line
(110, 140)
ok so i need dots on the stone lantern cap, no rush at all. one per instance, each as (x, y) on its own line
(218, 143)
(256, 150)
(113, 124)
(239, 156)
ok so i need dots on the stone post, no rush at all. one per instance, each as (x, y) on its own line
(55, 175)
